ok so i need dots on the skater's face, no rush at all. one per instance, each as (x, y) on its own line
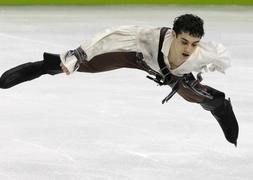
(183, 46)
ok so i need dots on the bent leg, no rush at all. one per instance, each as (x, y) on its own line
(219, 106)
(222, 111)
(30, 71)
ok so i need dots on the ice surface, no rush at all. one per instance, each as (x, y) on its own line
(112, 126)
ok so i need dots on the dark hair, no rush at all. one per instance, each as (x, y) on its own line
(189, 23)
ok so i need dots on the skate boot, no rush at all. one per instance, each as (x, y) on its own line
(226, 118)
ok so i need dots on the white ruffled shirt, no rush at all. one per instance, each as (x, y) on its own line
(207, 56)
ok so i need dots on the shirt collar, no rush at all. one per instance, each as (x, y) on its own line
(166, 47)
(166, 43)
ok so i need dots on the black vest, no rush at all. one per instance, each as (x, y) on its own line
(165, 71)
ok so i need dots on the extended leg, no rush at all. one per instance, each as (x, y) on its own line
(220, 107)
(30, 71)
(222, 110)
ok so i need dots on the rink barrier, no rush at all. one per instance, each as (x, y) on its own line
(101, 2)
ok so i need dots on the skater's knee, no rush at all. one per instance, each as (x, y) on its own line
(216, 102)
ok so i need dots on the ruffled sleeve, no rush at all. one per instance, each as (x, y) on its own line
(207, 57)
(218, 57)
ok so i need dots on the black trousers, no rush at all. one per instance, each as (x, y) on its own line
(31, 70)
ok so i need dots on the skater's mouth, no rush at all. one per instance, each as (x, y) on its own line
(185, 54)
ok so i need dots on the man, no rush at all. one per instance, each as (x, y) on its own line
(170, 55)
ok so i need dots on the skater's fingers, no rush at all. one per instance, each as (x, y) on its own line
(64, 69)
(67, 72)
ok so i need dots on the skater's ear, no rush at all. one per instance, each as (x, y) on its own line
(174, 35)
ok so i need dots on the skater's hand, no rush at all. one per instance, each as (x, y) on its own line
(64, 69)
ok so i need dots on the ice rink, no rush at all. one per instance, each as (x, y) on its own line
(112, 125)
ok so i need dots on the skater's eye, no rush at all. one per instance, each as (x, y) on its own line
(184, 42)
(194, 44)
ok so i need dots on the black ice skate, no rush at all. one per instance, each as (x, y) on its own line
(226, 118)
